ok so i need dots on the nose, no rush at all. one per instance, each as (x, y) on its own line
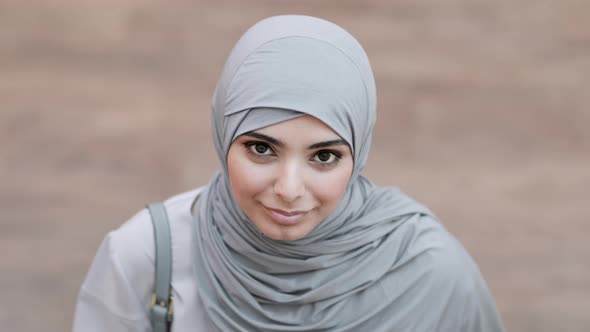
(289, 184)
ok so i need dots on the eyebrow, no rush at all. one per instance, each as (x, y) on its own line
(269, 139)
(327, 144)
(279, 143)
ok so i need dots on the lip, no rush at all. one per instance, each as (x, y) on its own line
(285, 217)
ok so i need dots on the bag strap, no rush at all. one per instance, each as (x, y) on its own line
(162, 307)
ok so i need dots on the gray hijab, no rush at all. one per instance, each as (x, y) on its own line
(360, 268)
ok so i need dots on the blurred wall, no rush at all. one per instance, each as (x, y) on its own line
(483, 115)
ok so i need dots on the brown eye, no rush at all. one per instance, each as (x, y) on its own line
(326, 157)
(259, 148)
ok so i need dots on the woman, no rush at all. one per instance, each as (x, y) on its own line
(289, 236)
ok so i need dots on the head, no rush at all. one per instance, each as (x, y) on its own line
(292, 118)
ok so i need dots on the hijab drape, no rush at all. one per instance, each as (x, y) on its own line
(354, 271)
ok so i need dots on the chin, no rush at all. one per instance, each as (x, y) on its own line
(280, 232)
(285, 236)
(285, 233)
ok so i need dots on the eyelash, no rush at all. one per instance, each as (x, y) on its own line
(251, 146)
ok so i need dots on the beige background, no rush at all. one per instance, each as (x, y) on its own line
(483, 115)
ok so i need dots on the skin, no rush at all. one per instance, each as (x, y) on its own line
(287, 182)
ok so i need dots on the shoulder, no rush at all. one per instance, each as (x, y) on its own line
(132, 244)
(436, 261)
(450, 281)
(134, 239)
(454, 281)
(117, 288)
(424, 244)
(127, 253)
(443, 255)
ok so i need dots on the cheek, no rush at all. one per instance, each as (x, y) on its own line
(246, 178)
(329, 187)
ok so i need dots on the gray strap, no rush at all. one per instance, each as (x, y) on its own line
(162, 302)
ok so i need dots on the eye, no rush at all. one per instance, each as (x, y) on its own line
(259, 148)
(326, 157)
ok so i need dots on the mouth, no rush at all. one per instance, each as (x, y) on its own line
(286, 218)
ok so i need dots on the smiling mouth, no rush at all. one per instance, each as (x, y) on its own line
(284, 217)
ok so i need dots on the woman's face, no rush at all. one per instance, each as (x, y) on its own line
(290, 176)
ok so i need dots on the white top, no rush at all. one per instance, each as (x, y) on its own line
(117, 292)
